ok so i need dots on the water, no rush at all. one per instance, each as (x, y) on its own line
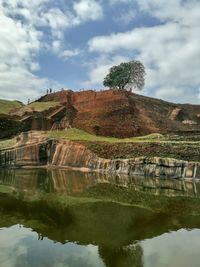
(60, 218)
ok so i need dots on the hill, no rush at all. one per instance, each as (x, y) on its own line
(112, 113)
(124, 114)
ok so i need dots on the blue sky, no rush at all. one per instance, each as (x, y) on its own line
(73, 43)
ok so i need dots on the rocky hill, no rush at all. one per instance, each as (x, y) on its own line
(124, 114)
(109, 113)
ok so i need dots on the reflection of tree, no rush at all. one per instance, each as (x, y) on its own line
(123, 257)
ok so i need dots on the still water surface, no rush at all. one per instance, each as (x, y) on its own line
(101, 234)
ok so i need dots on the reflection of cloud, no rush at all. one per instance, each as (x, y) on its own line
(21, 247)
(10, 248)
(180, 249)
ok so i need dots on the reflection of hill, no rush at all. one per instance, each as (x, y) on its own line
(110, 226)
(71, 182)
(102, 223)
(114, 228)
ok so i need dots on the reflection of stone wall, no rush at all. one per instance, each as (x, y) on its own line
(72, 182)
(63, 153)
(168, 187)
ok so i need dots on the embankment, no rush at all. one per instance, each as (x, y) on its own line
(32, 150)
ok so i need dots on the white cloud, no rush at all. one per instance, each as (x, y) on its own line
(88, 10)
(18, 42)
(57, 47)
(19, 83)
(18, 47)
(24, 33)
(100, 68)
(127, 16)
(120, 1)
(170, 51)
(70, 53)
(58, 21)
(186, 12)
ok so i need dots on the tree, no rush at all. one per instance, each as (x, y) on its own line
(127, 75)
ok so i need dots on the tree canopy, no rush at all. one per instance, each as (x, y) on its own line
(127, 75)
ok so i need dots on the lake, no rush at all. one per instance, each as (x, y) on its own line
(60, 218)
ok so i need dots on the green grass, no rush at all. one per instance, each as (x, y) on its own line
(6, 106)
(7, 143)
(41, 106)
(80, 135)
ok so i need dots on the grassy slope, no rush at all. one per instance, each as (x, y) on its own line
(41, 106)
(80, 135)
(87, 138)
(6, 106)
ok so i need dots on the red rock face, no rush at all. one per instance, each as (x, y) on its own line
(123, 114)
(106, 113)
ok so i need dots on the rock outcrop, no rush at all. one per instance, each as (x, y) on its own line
(33, 151)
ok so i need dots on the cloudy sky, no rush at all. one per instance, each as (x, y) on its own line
(73, 43)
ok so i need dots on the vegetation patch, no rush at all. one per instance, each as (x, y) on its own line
(41, 106)
(6, 106)
(81, 135)
(6, 143)
(182, 151)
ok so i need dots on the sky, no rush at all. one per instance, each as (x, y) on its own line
(73, 43)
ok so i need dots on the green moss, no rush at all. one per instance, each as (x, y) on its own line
(6, 106)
